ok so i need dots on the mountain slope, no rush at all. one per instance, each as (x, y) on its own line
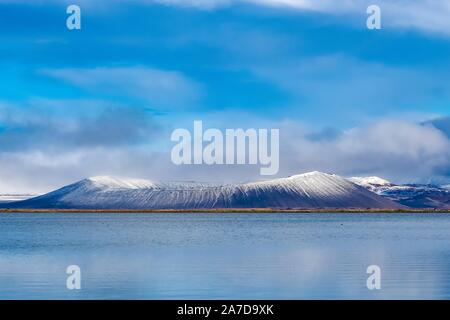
(310, 190)
(411, 195)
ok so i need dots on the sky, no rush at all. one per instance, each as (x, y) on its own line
(104, 100)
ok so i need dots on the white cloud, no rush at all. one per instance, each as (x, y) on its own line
(398, 150)
(163, 89)
(296, 4)
(345, 90)
(395, 149)
(428, 15)
(201, 4)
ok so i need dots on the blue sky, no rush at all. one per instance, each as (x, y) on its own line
(104, 99)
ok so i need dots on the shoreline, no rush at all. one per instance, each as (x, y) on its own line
(234, 210)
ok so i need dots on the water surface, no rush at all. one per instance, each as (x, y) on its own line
(224, 256)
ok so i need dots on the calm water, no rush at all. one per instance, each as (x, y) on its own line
(229, 256)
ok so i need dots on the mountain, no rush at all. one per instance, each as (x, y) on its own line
(411, 195)
(310, 190)
(374, 184)
(14, 197)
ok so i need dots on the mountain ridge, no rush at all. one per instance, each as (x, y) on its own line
(411, 195)
(308, 190)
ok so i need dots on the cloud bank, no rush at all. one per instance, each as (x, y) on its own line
(42, 152)
(426, 15)
(395, 149)
(161, 88)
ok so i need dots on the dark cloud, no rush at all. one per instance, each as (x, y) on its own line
(326, 134)
(442, 124)
(111, 127)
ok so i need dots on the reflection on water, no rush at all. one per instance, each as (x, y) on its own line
(224, 256)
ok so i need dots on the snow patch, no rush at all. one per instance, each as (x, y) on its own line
(121, 183)
(365, 181)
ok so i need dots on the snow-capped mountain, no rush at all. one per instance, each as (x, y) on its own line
(374, 184)
(310, 190)
(411, 195)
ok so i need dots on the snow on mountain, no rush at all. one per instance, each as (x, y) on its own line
(310, 190)
(373, 184)
(14, 197)
(411, 195)
(118, 183)
(370, 180)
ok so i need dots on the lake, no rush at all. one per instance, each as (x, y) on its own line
(225, 256)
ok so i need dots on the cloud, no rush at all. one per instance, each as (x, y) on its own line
(426, 15)
(47, 156)
(322, 5)
(48, 143)
(345, 89)
(161, 88)
(442, 124)
(39, 171)
(42, 128)
(395, 149)
(201, 4)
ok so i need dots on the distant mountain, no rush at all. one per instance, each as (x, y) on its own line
(310, 190)
(4, 198)
(374, 184)
(411, 195)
